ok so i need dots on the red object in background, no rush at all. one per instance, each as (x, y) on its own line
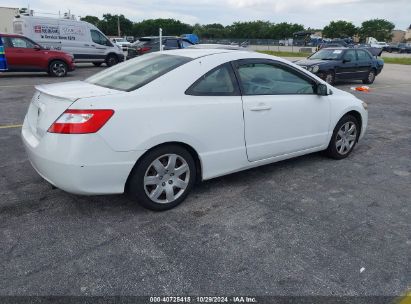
(24, 55)
(143, 50)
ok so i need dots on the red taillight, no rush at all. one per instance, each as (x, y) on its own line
(80, 121)
(143, 50)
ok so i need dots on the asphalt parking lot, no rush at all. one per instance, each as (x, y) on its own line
(305, 226)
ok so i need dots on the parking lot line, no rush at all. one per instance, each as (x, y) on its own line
(10, 126)
(17, 86)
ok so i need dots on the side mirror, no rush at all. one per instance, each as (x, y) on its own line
(322, 89)
(346, 60)
(37, 47)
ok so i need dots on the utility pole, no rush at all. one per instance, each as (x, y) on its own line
(118, 25)
(160, 32)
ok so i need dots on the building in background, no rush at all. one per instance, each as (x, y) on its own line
(407, 36)
(398, 36)
(7, 15)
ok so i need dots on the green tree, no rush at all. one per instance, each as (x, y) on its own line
(339, 29)
(171, 27)
(284, 30)
(109, 25)
(380, 29)
(91, 19)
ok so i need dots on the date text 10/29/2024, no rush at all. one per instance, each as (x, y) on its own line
(188, 299)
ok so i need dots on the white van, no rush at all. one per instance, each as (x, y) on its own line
(82, 39)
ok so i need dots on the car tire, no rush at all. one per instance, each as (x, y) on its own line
(157, 184)
(57, 68)
(111, 60)
(329, 77)
(97, 64)
(370, 77)
(343, 139)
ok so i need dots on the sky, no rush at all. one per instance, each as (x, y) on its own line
(310, 13)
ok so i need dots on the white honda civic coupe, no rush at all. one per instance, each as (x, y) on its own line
(154, 125)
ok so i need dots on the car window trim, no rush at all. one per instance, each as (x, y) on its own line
(237, 63)
(233, 78)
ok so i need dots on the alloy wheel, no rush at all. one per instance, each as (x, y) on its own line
(58, 69)
(346, 137)
(166, 178)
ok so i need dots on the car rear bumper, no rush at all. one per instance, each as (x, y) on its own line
(79, 164)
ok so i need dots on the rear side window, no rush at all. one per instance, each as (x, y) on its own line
(218, 82)
(137, 72)
(363, 55)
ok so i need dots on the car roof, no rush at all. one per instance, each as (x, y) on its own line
(216, 46)
(11, 35)
(196, 53)
(335, 48)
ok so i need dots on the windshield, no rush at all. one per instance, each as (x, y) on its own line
(327, 54)
(135, 73)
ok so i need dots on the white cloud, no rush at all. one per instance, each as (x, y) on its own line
(313, 13)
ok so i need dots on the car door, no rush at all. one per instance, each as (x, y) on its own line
(98, 45)
(364, 64)
(349, 65)
(22, 56)
(282, 112)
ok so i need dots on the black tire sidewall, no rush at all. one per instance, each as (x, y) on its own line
(332, 149)
(135, 184)
(108, 60)
(50, 71)
(332, 74)
(366, 81)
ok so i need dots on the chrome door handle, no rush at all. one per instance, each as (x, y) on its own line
(261, 107)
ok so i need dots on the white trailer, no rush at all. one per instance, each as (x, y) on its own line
(7, 15)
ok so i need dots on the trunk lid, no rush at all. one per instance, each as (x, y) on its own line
(50, 101)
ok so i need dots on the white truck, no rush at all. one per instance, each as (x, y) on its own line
(79, 38)
(377, 44)
(121, 42)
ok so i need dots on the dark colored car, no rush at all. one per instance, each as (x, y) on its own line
(24, 55)
(151, 44)
(401, 48)
(332, 64)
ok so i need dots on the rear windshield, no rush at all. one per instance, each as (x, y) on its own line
(143, 41)
(137, 72)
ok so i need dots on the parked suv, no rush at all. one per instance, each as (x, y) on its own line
(24, 55)
(151, 44)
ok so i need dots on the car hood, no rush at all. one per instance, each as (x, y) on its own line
(309, 62)
(74, 90)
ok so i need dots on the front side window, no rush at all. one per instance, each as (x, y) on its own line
(99, 38)
(271, 79)
(21, 43)
(135, 73)
(350, 55)
(218, 82)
